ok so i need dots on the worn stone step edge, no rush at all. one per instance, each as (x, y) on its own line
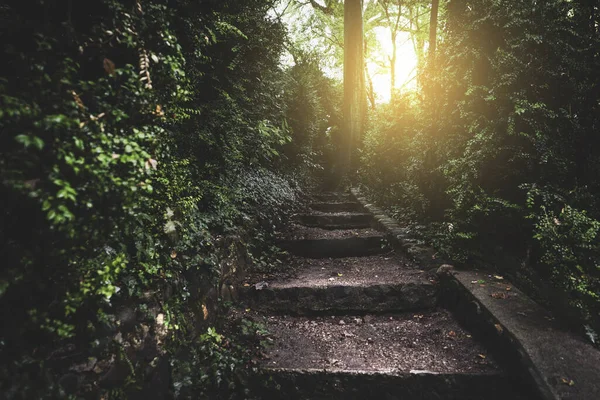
(546, 354)
(331, 196)
(337, 207)
(350, 220)
(342, 298)
(335, 248)
(414, 384)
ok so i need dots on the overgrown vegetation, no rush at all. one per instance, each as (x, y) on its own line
(498, 155)
(149, 150)
(140, 167)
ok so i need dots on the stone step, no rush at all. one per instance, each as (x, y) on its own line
(332, 196)
(336, 207)
(424, 355)
(297, 232)
(380, 283)
(307, 384)
(335, 248)
(336, 220)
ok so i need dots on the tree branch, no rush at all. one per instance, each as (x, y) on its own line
(325, 9)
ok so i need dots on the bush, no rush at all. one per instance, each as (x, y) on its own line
(139, 153)
(499, 157)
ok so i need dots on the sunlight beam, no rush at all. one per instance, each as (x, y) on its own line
(406, 65)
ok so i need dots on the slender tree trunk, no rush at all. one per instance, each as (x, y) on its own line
(370, 90)
(354, 107)
(418, 43)
(393, 68)
(433, 23)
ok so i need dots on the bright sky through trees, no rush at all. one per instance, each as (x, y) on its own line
(406, 64)
(310, 34)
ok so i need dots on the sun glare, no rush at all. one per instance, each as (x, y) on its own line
(406, 65)
(377, 61)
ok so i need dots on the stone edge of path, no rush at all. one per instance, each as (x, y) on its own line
(557, 363)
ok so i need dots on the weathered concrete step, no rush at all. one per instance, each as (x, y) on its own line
(381, 283)
(332, 196)
(310, 384)
(336, 207)
(425, 355)
(297, 232)
(559, 363)
(345, 247)
(340, 299)
(338, 220)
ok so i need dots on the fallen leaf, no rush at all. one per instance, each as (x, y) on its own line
(499, 295)
(567, 381)
(247, 310)
(340, 274)
(499, 328)
(508, 288)
(109, 66)
(173, 254)
(482, 356)
(151, 163)
(474, 282)
(452, 334)
(500, 278)
(246, 284)
(158, 111)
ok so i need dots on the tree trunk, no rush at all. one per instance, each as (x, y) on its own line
(370, 90)
(354, 107)
(433, 23)
(418, 42)
(393, 68)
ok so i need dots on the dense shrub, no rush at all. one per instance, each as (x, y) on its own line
(139, 154)
(501, 160)
(313, 114)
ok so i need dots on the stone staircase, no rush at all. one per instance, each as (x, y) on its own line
(355, 320)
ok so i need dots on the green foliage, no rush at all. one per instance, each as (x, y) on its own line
(569, 242)
(135, 137)
(312, 109)
(501, 146)
(216, 363)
